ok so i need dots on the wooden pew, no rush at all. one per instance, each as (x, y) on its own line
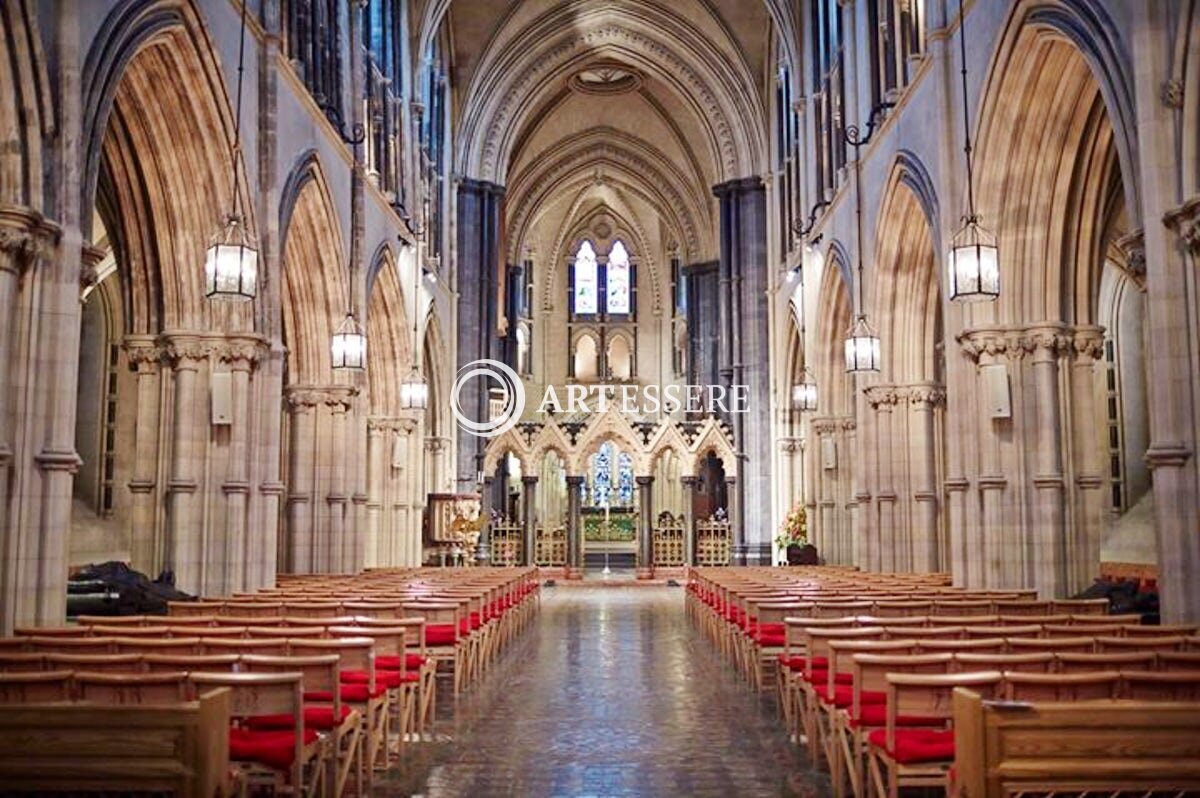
(181, 748)
(1005, 748)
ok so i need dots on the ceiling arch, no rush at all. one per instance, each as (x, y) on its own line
(701, 70)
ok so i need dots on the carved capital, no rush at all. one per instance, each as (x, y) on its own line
(925, 395)
(882, 397)
(186, 351)
(26, 237)
(305, 397)
(1048, 342)
(1185, 220)
(239, 351)
(990, 341)
(1132, 247)
(1088, 342)
(143, 353)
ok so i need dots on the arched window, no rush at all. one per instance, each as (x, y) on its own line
(585, 285)
(586, 358)
(617, 282)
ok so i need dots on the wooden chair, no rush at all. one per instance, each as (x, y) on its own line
(1163, 630)
(267, 646)
(311, 609)
(1021, 607)
(402, 684)
(163, 687)
(114, 620)
(899, 757)
(1075, 630)
(1035, 662)
(1173, 685)
(1176, 661)
(978, 632)
(177, 609)
(1082, 619)
(97, 663)
(1052, 644)
(339, 723)
(73, 645)
(278, 760)
(1084, 686)
(1106, 644)
(415, 660)
(820, 685)
(27, 687)
(442, 630)
(169, 645)
(369, 698)
(1125, 748)
(122, 630)
(192, 663)
(1082, 662)
(993, 645)
(74, 748)
(1097, 606)
(23, 661)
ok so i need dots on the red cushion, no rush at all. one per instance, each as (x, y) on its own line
(440, 634)
(275, 749)
(391, 662)
(769, 639)
(315, 717)
(474, 620)
(843, 695)
(876, 715)
(772, 628)
(821, 676)
(797, 662)
(354, 693)
(917, 745)
(384, 678)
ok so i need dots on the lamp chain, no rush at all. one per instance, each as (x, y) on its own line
(237, 119)
(962, 44)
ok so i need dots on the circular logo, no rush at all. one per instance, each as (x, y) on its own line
(512, 391)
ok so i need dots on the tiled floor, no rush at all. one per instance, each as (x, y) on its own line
(609, 693)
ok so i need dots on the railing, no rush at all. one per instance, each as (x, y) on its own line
(670, 540)
(550, 547)
(508, 542)
(712, 542)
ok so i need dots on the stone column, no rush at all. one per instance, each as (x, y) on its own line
(479, 222)
(574, 529)
(241, 357)
(377, 468)
(483, 551)
(528, 502)
(645, 557)
(1083, 550)
(185, 544)
(922, 400)
(146, 541)
(689, 523)
(334, 555)
(1050, 564)
(302, 408)
(734, 511)
(877, 496)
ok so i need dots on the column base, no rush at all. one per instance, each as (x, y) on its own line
(572, 573)
(645, 573)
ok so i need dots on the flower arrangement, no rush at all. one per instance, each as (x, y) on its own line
(795, 529)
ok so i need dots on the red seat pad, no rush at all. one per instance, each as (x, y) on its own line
(769, 639)
(474, 621)
(391, 662)
(383, 678)
(843, 695)
(820, 675)
(917, 745)
(772, 628)
(876, 715)
(354, 693)
(440, 634)
(797, 662)
(275, 748)
(315, 717)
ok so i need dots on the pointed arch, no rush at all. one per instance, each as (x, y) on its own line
(389, 333)
(27, 120)
(315, 283)
(833, 320)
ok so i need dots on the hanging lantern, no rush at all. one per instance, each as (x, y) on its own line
(414, 391)
(804, 393)
(349, 345)
(862, 347)
(973, 266)
(231, 263)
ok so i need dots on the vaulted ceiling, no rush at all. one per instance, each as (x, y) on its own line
(638, 105)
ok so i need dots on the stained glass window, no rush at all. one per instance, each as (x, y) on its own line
(625, 479)
(586, 282)
(617, 281)
(602, 462)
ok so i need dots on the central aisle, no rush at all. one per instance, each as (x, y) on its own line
(609, 693)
